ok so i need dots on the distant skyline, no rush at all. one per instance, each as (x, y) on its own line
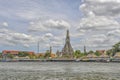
(93, 23)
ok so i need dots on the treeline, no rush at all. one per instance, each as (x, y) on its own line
(110, 52)
(77, 53)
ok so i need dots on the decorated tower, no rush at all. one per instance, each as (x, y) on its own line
(67, 50)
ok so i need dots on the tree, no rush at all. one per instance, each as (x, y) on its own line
(66, 56)
(77, 54)
(109, 52)
(10, 56)
(32, 56)
(90, 52)
(97, 53)
(23, 54)
(47, 54)
(40, 56)
(116, 47)
(0, 55)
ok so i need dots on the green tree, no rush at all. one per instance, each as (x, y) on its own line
(77, 54)
(109, 52)
(97, 53)
(0, 54)
(23, 54)
(11, 56)
(40, 56)
(116, 47)
(47, 54)
(66, 56)
(32, 56)
(90, 52)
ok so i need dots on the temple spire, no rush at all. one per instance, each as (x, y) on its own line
(67, 37)
(67, 47)
(85, 50)
(50, 49)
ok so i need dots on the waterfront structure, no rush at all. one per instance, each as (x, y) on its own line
(92, 55)
(7, 54)
(41, 55)
(67, 50)
(104, 56)
(101, 51)
(117, 55)
(15, 52)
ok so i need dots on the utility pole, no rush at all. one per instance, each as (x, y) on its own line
(38, 46)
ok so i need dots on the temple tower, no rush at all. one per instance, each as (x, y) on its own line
(50, 49)
(67, 47)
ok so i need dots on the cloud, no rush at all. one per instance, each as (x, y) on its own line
(98, 16)
(59, 40)
(46, 38)
(12, 38)
(110, 8)
(48, 25)
(114, 34)
(97, 39)
(57, 24)
(4, 24)
(48, 35)
(98, 23)
(9, 37)
(98, 28)
(55, 41)
(28, 15)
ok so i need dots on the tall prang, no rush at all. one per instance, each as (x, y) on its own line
(67, 47)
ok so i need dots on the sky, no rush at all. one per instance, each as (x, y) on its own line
(92, 23)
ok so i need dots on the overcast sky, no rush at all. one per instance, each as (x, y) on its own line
(93, 23)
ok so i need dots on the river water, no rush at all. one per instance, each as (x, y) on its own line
(59, 71)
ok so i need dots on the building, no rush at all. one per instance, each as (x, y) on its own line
(52, 55)
(41, 55)
(91, 56)
(15, 52)
(117, 55)
(101, 51)
(67, 50)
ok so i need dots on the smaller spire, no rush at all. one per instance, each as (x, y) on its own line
(85, 49)
(50, 49)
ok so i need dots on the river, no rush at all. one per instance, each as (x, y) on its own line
(59, 71)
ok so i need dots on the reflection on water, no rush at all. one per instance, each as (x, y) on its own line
(59, 71)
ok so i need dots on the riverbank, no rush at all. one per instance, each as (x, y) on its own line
(60, 60)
